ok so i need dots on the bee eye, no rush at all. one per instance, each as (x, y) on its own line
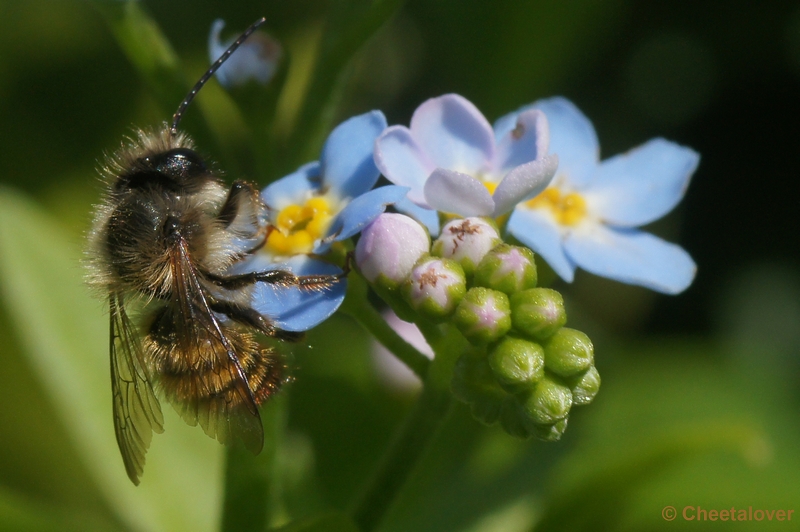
(179, 163)
(177, 170)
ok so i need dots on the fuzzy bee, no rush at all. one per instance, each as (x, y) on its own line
(164, 239)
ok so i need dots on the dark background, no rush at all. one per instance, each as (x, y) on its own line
(720, 77)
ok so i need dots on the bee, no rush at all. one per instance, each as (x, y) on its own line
(165, 238)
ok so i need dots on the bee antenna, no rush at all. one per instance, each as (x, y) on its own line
(176, 118)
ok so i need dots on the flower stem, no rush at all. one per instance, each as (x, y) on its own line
(413, 438)
(404, 453)
(359, 308)
(252, 485)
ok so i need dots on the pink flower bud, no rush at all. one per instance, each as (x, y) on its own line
(435, 287)
(466, 241)
(389, 247)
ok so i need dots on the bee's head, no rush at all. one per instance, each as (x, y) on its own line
(177, 170)
(180, 164)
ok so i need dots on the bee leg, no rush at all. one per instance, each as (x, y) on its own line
(349, 259)
(240, 190)
(250, 317)
(277, 277)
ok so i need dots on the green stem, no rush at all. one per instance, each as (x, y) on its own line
(357, 306)
(148, 49)
(252, 499)
(413, 438)
(348, 28)
(405, 452)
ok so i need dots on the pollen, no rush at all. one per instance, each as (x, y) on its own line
(568, 209)
(297, 227)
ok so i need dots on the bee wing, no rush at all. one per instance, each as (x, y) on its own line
(137, 413)
(223, 416)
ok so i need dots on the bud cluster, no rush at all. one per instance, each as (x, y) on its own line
(529, 370)
(528, 384)
(525, 369)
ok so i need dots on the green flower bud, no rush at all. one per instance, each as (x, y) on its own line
(568, 352)
(584, 386)
(483, 315)
(435, 287)
(550, 432)
(549, 401)
(466, 241)
(507, 268)
(474, 383)
(538, 312)
(517, 364)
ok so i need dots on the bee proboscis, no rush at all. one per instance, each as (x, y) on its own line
(165, 238)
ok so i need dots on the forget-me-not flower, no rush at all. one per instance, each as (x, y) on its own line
(589, 214)
(454, 163)
(257, 58)
(321, 203)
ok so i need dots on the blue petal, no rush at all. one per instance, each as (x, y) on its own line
(506, 123)
(540, 233)
(453, 192)
(453, 134)
(642, 185)
(526, 142)
(402, 161)
(347, 161)
(631, 256)
(572, 137)
(427, 217)
(360, 212)
(292, 189)
(257, 58)
(523, 183)
(293, 309)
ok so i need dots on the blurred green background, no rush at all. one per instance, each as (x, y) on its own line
(700, 395)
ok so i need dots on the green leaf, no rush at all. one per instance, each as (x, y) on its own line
(65, 336)
(325, 523)
(600, 500)
(21, 514)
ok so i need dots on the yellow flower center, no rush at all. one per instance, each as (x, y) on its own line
(297, 227)
(491, 186)
(568, 209)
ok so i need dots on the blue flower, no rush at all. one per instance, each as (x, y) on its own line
(588, 215)
(323, 202)
(291, 308)
(453, 162)
(257, 58)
